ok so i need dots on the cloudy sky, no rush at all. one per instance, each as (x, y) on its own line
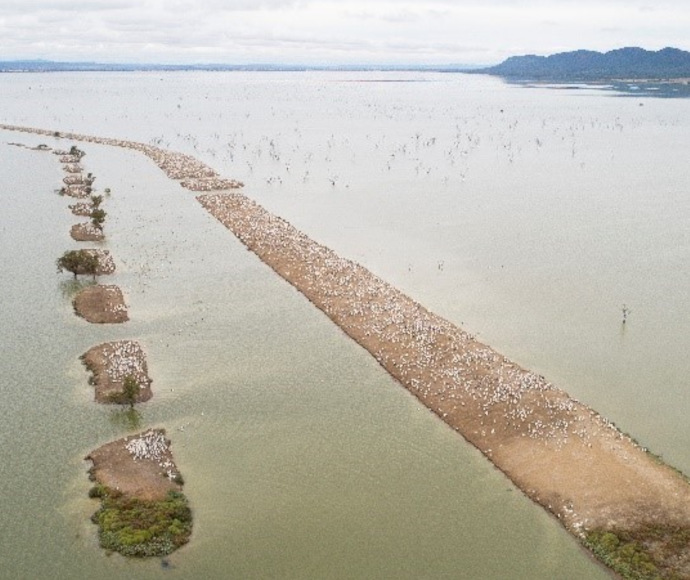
(330, 31)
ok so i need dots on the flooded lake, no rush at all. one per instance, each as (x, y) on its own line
(529, 216)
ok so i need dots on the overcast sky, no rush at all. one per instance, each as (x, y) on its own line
(330, 31)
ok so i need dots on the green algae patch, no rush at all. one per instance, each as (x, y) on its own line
(141, 528)
(652, 552)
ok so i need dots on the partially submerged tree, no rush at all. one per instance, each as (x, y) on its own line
(97, 218)
(130, 388)
(76, 152)
(78, 262)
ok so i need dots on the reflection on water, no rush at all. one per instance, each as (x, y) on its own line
(302, 458)
(71, 287)
(129, 419)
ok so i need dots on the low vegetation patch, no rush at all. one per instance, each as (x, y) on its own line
(140, 528)
(647, 553)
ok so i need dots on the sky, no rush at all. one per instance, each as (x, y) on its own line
(474, 32)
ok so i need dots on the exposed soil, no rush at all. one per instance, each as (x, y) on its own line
(86, 232)
(101, 304)
(111, 363)
(139, 466)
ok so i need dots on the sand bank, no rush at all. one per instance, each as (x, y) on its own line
(101, 304)
(111, 363)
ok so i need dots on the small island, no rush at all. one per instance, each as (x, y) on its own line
(116, 367)
(93, 262)
(86, 232)
(101, 305)
(143, 511)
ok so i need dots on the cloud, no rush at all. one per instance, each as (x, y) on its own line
(294, 31)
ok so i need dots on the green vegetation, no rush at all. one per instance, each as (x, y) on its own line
(78, 262)
(135, 527)
(97, 218)
(96, 201)
(648, 553)
(76, 152)
(128, 395)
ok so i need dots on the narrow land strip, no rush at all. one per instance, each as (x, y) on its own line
(561, 453)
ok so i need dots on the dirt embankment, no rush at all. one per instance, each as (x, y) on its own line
(101, 304)
(561, 453)
(111, 364)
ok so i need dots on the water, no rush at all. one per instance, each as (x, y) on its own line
(308, 461)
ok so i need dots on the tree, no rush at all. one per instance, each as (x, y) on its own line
(76, 152)
(98, 217)
(78, 262)
(130, 388)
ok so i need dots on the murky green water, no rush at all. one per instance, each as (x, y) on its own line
(302, 458)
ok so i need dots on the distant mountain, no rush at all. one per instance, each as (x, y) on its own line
(623, 63)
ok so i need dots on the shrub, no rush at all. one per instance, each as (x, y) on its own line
(135, 527)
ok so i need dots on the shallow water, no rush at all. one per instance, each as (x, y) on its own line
(302, 458)
(529, 215)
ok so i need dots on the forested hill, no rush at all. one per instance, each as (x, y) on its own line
(623, 63)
